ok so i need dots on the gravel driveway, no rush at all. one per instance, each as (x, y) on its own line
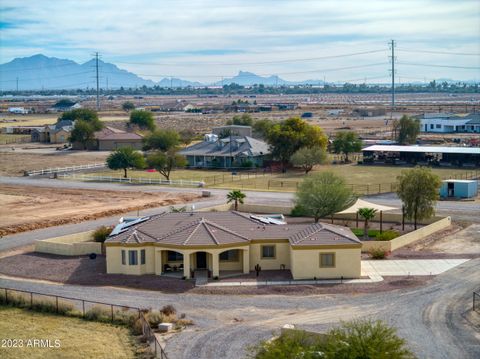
(432, 317)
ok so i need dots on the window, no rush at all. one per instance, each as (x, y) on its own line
(438, 126)
(124, 260)
(142, 256)
(229, 256)
(132, 258)
(174, 256)
(431, 126)
(268, 252)
(327, 260)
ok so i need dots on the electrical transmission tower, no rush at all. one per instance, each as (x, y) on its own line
(392, 45)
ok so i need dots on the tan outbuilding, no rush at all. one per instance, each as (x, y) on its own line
(231, 242)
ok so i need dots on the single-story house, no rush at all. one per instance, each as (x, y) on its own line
(56, 133)
(229, 242)
(448, 123)
(111, 138)
(231, 151)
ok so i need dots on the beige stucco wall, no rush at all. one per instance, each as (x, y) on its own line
(282, 255)
(408, 238)
(76, 244)
(114, 260)
(306, 263)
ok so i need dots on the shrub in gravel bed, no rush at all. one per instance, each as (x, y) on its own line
(387, 235)
(378, 253)
(168, 310)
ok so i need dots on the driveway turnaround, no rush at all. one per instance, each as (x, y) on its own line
(405, 267)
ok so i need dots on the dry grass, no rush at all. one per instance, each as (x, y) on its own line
(78, 338)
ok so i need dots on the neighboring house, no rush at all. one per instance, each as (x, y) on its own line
(56, 133)
(111, 138)
(231, 151)
(231, 242)
(449, 123)
(62, 107)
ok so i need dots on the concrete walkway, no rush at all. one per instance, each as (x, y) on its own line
(375, 270)
(403, 267)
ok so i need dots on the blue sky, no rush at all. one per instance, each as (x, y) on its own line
(205, 40)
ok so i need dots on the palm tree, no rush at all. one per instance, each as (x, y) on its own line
(367, 214)
(236, 196)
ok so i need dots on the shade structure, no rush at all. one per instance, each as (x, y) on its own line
(360, 203)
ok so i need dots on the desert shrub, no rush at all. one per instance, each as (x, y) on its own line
(48, 306)
(101, 234)
(297, 211)
(14, 299)
(126, 317)
(137, 327)
(98, 314)
(182, 323)
(168, 310)
(154, 318)
(378, 253)
(387, 235)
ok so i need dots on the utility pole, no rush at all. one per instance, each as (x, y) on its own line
(17, 84)
(107, 83)
(96, 68)
(392, 47)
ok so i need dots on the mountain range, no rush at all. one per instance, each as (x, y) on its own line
(50, 73)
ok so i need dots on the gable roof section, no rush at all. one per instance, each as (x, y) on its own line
(323, 234)
(247, 146)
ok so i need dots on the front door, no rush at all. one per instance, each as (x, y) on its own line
(201, 260)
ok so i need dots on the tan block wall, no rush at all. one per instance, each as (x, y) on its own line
(282, 256)
(306, 263)
(408, 238)
(76, 244)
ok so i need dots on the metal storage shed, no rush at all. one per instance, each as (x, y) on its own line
(459, 189)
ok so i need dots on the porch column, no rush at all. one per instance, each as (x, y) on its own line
(158, 262)
(215, 265)
(246, 261)
(186, 265)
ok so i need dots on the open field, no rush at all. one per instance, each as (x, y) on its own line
(77, 338)
(27, 208)
(378, 178)
(8, 120)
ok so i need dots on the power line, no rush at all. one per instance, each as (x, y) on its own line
(251, 63)
(96, 67)
(438, 52)
(392, 57)
(446, 66)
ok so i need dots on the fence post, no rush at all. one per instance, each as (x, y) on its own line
(6, 296)
(83, 308)
(56, 302)
(31, 300)
(155, 339)
(111, 308)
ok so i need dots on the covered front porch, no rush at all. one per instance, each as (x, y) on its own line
(184, 263)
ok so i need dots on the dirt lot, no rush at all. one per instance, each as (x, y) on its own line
(27, 208)
(14, 159)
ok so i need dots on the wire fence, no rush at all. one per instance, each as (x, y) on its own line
(15, 139)
(53, 170)
(132, 180)
(476, 301)
(234, 176)
(101, 311)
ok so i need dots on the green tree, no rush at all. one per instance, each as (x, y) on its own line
(346, 142)
(243, 120)
(124, 158)
(236, 196)
(164, 162)
(307, 157)
(128, 106)
(82, 132)
(162, 140)
(367, 214)
(406, 130)
(186, 136)
(143, 119)
(261, 127)
(418, 189)
(322, 194)
(290, 135)
(83, 114)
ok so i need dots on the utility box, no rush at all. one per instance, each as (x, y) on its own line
(165, 327)
(459, 189)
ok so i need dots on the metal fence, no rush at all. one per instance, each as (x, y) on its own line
(30, 299)
(64, 169)
(15, 139)
(235, 176)
(476, 301)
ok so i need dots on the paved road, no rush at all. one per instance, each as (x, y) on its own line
(431, 318)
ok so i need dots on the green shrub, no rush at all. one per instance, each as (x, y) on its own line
(101, 234)
(387, 235)
(297, 211)
(371, 232)
(378, 253)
